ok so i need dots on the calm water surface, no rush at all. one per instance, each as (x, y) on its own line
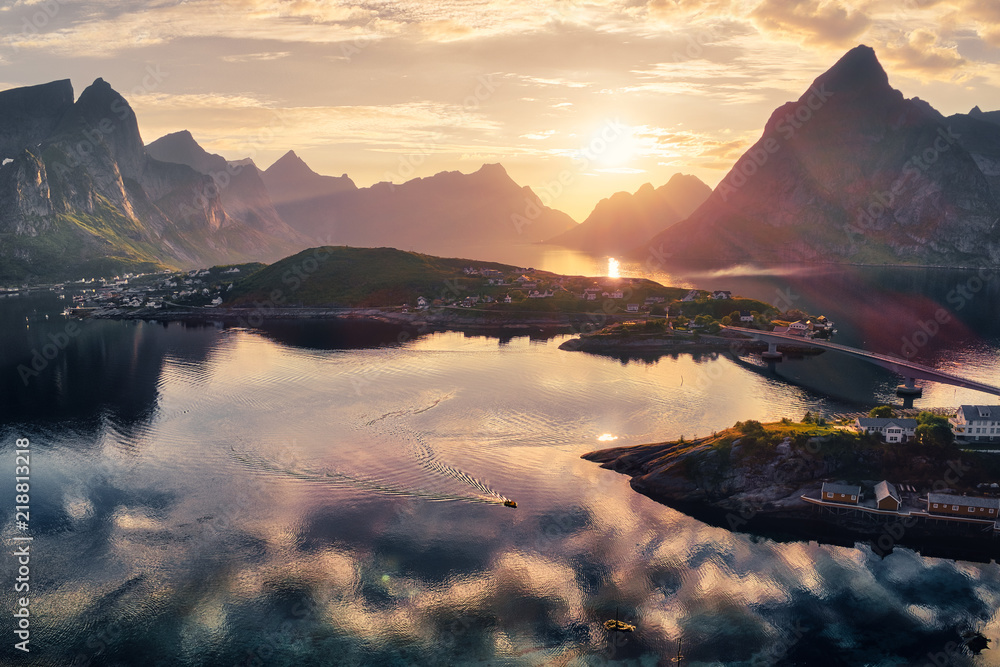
(211, 496)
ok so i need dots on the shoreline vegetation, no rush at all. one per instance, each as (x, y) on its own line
(433, 293)
(753, 478)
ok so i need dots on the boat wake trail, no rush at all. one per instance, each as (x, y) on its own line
(388, 426)
(336, 478)
(428, 460)
(411, 411)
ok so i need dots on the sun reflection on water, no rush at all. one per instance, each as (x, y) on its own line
(613, 271)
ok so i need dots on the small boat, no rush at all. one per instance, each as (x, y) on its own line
(509, 503)
(614, 625)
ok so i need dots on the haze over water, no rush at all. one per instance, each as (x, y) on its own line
(316, 494)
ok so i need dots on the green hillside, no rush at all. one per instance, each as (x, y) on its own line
(344, 276)
(337, 276)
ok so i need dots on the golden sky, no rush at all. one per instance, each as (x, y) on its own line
(607, 94)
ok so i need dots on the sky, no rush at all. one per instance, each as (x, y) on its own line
(577, 100)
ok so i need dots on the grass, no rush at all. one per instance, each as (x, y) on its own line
(337, 276)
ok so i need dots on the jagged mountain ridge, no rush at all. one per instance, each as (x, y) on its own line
(88, 198)
(291, 182)
(449, 212)
(850, 172)
(81, 195)
(624, 220)
(241, 190)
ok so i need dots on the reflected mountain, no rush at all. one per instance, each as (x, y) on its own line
(55, 369)
(365, 334)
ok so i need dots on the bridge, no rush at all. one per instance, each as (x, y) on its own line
(908, 369)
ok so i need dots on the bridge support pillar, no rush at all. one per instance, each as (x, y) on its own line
(772, 353)
(909, 389)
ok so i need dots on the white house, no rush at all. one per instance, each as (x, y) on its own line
(691, 296)
(745, 316)
(891, 429)
(798, 327)
(976, 422)
(422, 302)
(632, 308)
(722, 295)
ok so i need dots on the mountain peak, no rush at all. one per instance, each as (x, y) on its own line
(492, 168)
(291, 164)
(292, 182)
(182, 148)
(31, 113)
(859, 68)
(493, 172)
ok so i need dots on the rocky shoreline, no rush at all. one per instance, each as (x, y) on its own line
(432, 319)
(765, 498)
(447, 319)
(640, 342)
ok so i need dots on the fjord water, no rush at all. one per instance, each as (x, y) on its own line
(330, 494)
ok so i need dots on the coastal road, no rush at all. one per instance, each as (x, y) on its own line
(908, 369)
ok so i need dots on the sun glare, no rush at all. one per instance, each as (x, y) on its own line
(613, 268)
(607, 437)
(614, 145)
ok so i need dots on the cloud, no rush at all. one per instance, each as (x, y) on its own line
(669, 8)
(538, 136)
(987, 11)
(105, 31)
(826, 22)
(255, 57)
(557, 82)
(921, 52)
(242, 125)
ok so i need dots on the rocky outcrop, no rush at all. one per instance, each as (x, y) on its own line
(850, 172)
(684, 474)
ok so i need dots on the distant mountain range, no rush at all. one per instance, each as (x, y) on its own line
(854, 172)
(81, 195)
(623, 221)
(449, 212)
(850, 172)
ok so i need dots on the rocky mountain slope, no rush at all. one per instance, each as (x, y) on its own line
(240, 187)
(80, 195)
(624, 220)
(853, 172)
